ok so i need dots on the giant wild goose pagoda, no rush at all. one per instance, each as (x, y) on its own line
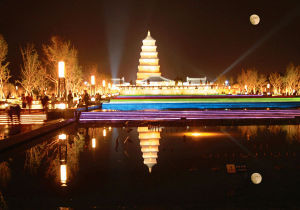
(151, 82)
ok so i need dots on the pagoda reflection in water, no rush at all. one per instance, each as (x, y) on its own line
(149, 141)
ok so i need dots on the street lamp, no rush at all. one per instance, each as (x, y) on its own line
(103, 84)
(93, 83)
(61, 90)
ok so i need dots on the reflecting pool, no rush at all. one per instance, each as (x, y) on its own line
(85, 166)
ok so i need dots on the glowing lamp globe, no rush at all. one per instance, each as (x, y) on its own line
(254, 19)
(93, 81)
(63, 174)
(256, 178)
(62, 136)
(61, 69)
(93, 142)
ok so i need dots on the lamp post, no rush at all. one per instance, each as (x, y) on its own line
(61, 90)
(93, 83)
(104, 132)
(109, 87)
(268, 89)
(63, 150)
(103, 84)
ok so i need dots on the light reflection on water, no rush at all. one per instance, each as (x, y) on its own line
(99, 158)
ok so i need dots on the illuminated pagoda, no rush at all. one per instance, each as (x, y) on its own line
(149, 141)
(149, 61)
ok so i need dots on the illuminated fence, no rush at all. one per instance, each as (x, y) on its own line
(25, 119)
(188, 115)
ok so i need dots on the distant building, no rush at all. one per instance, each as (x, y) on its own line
(195, 81)
(157, 81)
(119, 81)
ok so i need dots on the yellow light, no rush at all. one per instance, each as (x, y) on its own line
(103, 83)
(149, 135)
(104, 132)
(62, 136)
(61, 69)
(197, 134)
(93, 81)
(149, 142)
(61, 106)
(202, 134)
(109, 128)
(109, 85)
(94, 142)
(63, 174)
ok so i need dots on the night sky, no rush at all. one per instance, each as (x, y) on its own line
(194, 37)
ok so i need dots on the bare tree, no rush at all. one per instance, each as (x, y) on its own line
(276, 81)
(291, 79)
(261, 82)
(74, 81)
(30, 68)
(42, 81)
(249, 79)
(60, 50)
(231, 81)
(221, 81)
(92, 69)
(242, 80)
(4, 71)
(252, 80)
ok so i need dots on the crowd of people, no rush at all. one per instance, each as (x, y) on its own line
(73, 100)
(49, 102)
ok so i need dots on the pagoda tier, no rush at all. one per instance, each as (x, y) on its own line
(149, 141)
(148, 62)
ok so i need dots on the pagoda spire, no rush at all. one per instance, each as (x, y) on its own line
(149, 141)
(148, 63)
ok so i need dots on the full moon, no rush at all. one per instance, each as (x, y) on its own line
(256, 178)
(254, 19)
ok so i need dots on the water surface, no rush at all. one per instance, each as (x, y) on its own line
(154, 167)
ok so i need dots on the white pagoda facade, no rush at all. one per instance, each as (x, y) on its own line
(149, 141)
(148, 63)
